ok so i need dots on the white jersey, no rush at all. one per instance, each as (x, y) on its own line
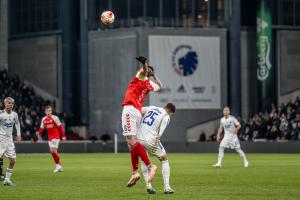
(153, 124)
(229, 125)
(7, 122)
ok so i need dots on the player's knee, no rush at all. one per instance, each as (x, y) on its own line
(12, 161)
(163, 158)
(53, 150)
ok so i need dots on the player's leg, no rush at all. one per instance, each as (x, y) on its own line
(145, 171)
(53, 146)
(1, 169)
(11, 154)
(161, 154)
(220, 157)
(237, 147)
(130, 122)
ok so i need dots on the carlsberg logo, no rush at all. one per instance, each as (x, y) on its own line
(263, 62)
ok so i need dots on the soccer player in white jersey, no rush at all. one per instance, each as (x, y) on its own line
(231, 126)
(154, 121)
(8, 119)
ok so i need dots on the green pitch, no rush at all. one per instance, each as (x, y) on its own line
(104, 176)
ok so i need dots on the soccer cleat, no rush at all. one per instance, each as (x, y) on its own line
(217, 165)
(168, 190)
(151, 190)
(134, 178)
(152, 172)
(246, 164)
(58, 168)
(2, 177)
(8, 182)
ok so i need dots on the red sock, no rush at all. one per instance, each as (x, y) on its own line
(134, 159)
(56, 157)
(142, 153)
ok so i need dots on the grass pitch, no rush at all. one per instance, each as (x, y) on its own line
(104, 176)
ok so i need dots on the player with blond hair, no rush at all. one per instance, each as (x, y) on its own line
(9, 119)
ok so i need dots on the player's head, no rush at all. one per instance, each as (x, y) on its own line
(226, 111)
(9, 103)
(48, 110)
(150, 71)
(170, 108)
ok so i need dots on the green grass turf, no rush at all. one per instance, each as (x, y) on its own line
(104, 176)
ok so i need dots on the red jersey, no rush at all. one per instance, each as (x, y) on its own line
(53, 126)
(137, 91)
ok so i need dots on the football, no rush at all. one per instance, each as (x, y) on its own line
(107, 17)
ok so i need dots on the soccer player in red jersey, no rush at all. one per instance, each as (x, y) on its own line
(136, 92)
(55, 129)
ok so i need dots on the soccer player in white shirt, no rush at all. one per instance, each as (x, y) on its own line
(154, 121)
(8, 119)
(231, 126)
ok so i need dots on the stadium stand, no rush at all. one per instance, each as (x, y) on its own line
(281, 123)
(28, 105)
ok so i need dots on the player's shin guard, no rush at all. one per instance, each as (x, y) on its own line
(56, 157)
(242, 154)
(142, 154)
(145, 174)
(134, 159)
(8, 173)
(221, 155)
(166, 172)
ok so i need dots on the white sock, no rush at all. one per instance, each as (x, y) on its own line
(242, 154)
(221, 155)
(145, 174)
(8, 173)
(166, 172)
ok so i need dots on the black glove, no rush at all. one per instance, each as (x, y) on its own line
(141, 59)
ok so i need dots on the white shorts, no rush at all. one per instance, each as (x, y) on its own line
(131, 119)
(54, 143)
(7, 148)
(157, 150)
(230, 142)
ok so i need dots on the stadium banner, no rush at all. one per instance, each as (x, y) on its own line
(264, 49)
(189, 68)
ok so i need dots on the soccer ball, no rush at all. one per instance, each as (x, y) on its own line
(107, 17)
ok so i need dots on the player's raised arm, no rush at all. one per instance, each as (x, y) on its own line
(157, 80)
(145, 68)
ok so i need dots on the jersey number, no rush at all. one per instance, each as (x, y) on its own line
(149, 119)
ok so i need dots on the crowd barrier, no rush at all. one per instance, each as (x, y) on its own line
(196, 147)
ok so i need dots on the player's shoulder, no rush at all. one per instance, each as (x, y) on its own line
(54, 117)
(232, 117)
(14, 113)
(2, 112)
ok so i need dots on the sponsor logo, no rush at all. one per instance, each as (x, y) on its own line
(198, 89)
(184, 60)
(263, 54)
(127, 127)
(181, 89)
